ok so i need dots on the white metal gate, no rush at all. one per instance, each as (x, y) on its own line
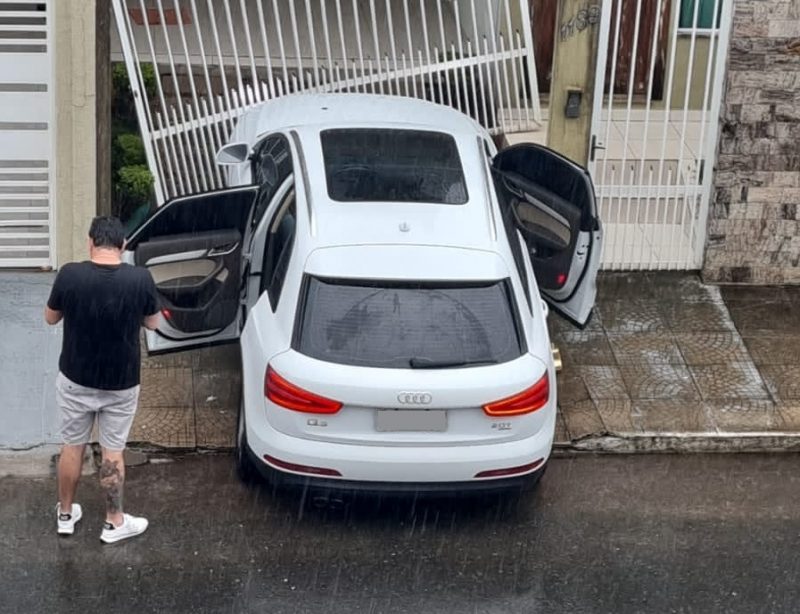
(658, 92)
(26, 171)
(215, 58)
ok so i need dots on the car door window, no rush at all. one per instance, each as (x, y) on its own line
(277, 252)
(272, 164)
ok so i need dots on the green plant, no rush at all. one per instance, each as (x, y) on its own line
(132, 182)
(129, 149)
(136, 182)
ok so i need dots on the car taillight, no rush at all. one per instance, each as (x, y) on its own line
(524, 402)
(284, 393)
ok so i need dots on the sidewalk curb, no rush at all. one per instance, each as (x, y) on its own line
(647, 443)
(37, 462)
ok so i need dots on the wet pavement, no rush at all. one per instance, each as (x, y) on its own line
(656, 533)
(663, 355)
(666, 354)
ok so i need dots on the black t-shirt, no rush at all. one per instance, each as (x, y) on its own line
(103, 307)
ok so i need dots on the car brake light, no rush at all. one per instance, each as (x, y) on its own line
(301, 468)
(561, 279)
(524, 402)
(286, 394)
(498, 473)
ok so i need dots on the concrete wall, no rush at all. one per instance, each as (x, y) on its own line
(29, 355)
(76, 125)
(754, 232)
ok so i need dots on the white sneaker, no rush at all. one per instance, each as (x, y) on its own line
(67, 522)
(131, 527)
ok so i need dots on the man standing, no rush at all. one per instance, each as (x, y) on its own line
(103, 303)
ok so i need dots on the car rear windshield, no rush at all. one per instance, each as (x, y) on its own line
(393, 166)
(420, 325)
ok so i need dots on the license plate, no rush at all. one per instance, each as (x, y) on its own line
(420, 420)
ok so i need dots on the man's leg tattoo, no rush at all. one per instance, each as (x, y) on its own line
(111, 480)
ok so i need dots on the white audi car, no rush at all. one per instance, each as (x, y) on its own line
(383, 268)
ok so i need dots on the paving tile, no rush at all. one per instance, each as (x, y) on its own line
(659, 381)
(603, 382)
(168, 387)
(616, 415)
(216, 389)
(571, 387)
(648, 348)
(734, 294)
(708, 348)
(227, 356)
(793, 294)
(615, 286)
(632, 316)
(561, 435)
(790, 412)
(671, 416)
(162, 361)
(215, 428)
(772, 349)
(783, 317)
(735, 380)
(559, 324)
(702, 316)
(684, 287)
(217, 395)
(783, 381)
(171, 427)
(740, 416)
(584, 348)
(581, 419)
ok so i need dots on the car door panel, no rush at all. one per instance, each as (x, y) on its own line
(200, 291)
(552, 201)
(192, 247)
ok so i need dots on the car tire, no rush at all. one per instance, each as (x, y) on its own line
(244, 465)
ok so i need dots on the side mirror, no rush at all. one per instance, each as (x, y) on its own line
(232, 153)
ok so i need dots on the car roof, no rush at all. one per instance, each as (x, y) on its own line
(472, 225)
(345, 109)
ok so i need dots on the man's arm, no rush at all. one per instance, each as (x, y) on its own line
(53, 310)
(51, 316)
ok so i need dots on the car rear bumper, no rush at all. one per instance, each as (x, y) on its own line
(399, 468)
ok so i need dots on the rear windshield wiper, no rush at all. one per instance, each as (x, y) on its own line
(429, 363)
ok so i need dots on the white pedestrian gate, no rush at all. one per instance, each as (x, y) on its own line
(658, 92)
(215, 58)
(26, 161)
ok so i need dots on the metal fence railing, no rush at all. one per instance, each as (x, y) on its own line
(212, 59)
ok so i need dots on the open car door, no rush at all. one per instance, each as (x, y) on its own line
(192, 246)
(552, 202)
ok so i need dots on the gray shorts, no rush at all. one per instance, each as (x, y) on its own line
(79, 405)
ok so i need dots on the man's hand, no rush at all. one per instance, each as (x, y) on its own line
(51, 316)
(151, 322)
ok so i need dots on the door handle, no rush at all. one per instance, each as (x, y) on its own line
(594, 147)
(223, 250)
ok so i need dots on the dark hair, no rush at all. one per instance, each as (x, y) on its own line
(107, 231)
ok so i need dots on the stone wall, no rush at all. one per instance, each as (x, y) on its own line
(754, 232)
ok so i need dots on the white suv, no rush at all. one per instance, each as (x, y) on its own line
(381, 265)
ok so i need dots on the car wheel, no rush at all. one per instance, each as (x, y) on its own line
(244, 466)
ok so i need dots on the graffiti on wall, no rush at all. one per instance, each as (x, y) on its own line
(586, 17)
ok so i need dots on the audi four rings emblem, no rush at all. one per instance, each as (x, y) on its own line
(415, 398)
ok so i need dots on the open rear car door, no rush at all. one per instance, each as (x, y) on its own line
(192, 246)
(552, 202)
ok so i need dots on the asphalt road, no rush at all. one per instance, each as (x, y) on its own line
(602, 534)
